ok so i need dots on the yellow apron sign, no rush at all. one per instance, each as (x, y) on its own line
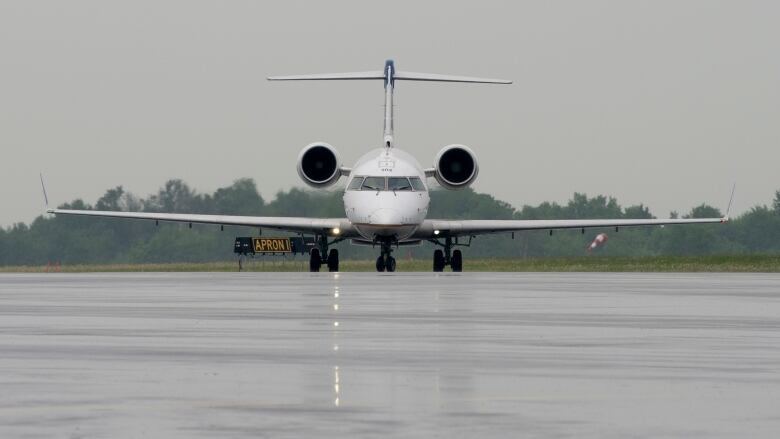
(272, 245)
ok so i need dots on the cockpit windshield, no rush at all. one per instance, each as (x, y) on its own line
(417, 184)
(398, 184)
(373, 184)
(394, 184)
(355, 184)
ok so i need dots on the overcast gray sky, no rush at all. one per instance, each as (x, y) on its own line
(663, 102)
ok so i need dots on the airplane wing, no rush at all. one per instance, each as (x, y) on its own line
(440, 228)
(329, 226)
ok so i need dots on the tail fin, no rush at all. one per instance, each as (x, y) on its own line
(389, 75)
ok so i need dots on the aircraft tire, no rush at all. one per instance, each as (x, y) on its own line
(390, 264)
(438, 261)
(315, 260)
(333, 260)
(457, 261)
(380, 264)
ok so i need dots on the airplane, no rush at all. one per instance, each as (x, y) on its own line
(386, 199)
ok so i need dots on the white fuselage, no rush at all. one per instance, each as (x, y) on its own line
(386, 213)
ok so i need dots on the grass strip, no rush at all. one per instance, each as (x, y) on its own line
(681, 264)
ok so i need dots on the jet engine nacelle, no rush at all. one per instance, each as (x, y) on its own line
(455, 167)
(319, 164)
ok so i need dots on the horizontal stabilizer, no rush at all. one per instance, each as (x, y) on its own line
(406, 76)
(411, 76)
(330, 76)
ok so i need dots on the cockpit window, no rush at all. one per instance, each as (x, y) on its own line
(417, 184)
(398, 184)
(355, 184)
(373, 184)
(361, 183)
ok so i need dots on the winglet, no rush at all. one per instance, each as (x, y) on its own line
(731, 200)
(45, 197)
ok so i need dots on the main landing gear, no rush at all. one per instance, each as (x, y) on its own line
(453, 258)
(315, 256)
(385, 262)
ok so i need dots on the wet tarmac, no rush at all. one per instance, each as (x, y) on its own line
(370, 355)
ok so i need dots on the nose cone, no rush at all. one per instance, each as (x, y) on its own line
(385, 217)
(385, 223)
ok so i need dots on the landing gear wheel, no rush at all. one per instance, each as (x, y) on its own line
(315, 260)
(333, 260)
(390, 264)
(457, 261)
(438, 260)
(380, 264)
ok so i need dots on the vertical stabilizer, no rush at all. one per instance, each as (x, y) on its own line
(387, 134)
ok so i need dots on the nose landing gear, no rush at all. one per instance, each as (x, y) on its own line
(385, 262)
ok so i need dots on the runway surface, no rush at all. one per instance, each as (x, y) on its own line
(366, 355)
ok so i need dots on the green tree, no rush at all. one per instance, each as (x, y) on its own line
(240, 198)
(97, 240)
(637, 212)
(176, 197)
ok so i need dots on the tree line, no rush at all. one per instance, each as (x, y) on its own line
(73, 240)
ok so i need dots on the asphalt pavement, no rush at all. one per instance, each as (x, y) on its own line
(402, 354)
